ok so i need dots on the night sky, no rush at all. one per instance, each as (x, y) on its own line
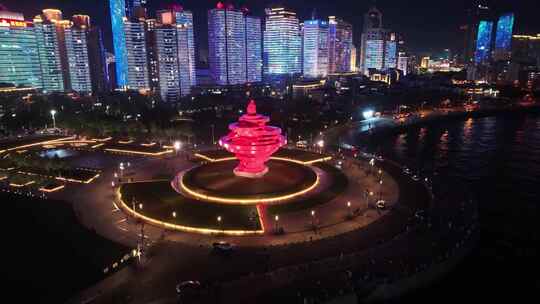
(426, 25)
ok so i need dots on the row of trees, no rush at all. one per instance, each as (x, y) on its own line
(117, 114)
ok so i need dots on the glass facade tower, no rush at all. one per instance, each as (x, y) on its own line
(49, 55)
(137, 60)
(282, 48)
(503, 38)
(315, 48)
(118, 16)
(227, 45)
(19, 57)
(253, 49)
(340, 45)
(76, 38)
(483, 42)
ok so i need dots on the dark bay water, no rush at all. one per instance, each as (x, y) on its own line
(497, 160)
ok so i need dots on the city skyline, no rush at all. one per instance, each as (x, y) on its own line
(444, 17)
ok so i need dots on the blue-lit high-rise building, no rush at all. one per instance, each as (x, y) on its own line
(175, 53)
(503, 38)
(234, 46)
(137, 60)
(390, 51)
(129, 41)
(483, 42)
(315, 49)
(254, 63)
(282, 47)
(49, 55)
(340, 45)
(227, 45)
(118, 16)
(76, 40)
(378, 51)
(19, 57)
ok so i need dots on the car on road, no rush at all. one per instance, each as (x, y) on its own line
(381, 204)
(222, 247)
(416, 178)
(188, 291)
(406, 170)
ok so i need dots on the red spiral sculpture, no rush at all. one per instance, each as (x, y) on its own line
(252, 142)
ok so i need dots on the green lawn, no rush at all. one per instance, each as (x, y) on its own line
(338, 186)
(159, 201)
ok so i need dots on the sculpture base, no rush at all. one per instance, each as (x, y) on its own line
(241, 173)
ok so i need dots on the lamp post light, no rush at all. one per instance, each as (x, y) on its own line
(313, 218)
(380, 189)
(177, 146)
(140, 206)
(320, 143)
(53, 114)
(276, 219)
(174, 214)
(372, 164)
(121, 167)
(349, 208)
(220, 223)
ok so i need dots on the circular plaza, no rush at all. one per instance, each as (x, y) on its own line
(282, 193)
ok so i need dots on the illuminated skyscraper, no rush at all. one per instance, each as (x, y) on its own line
(340, 44)
(390, 51)
(379, 46)
(49, 55)
(253, 49)
(227, 45)
(118, 16)
(483, 42)
(99, 73)
(479, 10)
(282, 50)
(77, 54)
(315, 48)
(19, 58)
(151, 53)
(234, 41)
(175, 53)
(503, 38)
(354, 54)
(186, 46)
(137, 61)
(403, 63)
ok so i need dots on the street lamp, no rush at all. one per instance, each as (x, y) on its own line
(219, 222)
(380, 189)
(349, 208)
(313, 218)
(177, 145)
(320, 143)
(53, 114)
(174, 214)
(140, 206)
(276, 219)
